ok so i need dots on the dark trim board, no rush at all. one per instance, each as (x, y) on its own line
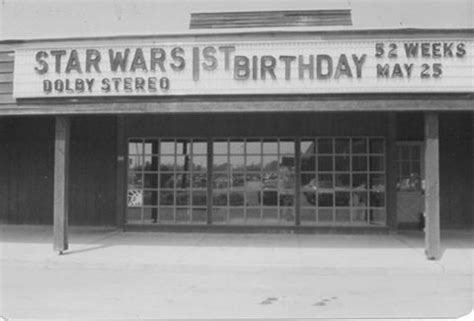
(216, 228)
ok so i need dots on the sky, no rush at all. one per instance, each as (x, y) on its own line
(39, 19)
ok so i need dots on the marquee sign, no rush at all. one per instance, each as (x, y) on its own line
(244, 67)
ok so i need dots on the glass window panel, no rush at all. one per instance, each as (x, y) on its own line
(376, 146)
(378, 217)
(183, 214)
(308, 147)
(308, 215)
(287, 147)
(342, 145)
(134, 180)
(253, 180)
(342, 163)
(151, 163)
(135, 147)
(199, 163)
(325, 164)
(237, 147)
(199, 147)
(270, 197)
(220, 181)
(220, 148)
(359, 199)
(405, 168)
(270, 215)
(416, 153)
(167, 163)
(308, 163)
(183, 180)
(253, 197)
(236, 216)
(270, 180)
(309, 194)
(287, 161)
(166, 214)
(199, 215)
(150, 198)
(166, 197)
(416, 168)
(359, 215)
(377, 182)
(199, 198)
(220, 198)
(287, 216)
(343, 180)
(253, 214)
(236, 198)
(183, 163)
(286, 199)
(287, 179)
(167, 148)
(343, 215)
(377, 163)
(270, 163)
(183, 198)
(200, 180)
(167, 180)
(325, 182)
(404, 152)
(237, 163)
(219, 214)
(254, 162)
(238, 181)
(343, 198)
(270, 147)
(151, 146)
(359, 181)
(221, 163)
(135, 162)
(134, 215)
(359, 163)
(325, 146)
(183, 147)
(254, 147)
(134, 197)
(325, 199)
(325, 215)
(151, 181)
(308, 179)
(377, 199)
(359, 146)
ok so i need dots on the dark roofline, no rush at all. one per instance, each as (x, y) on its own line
(342, 32)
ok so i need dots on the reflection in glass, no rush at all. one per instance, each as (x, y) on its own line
(359, 181)
(182, 214)
(270, 147)
(166, 197)
(343, 198)
(199, 181)
(183, 180)
(325, 215)
(254, 147)
(150, 198)
(167, 148)
(220, 198)
(220, 181)
(343, 180)
(377, 182)
(183, 198)
(238, 180)
(343, 215)
(359, 163)
(253, 197)
(254, 162)
(287, 147)
(167, 180)
(199, 163)
(308, 215)
(151, 163)
(237, 163)
(359, 199)
(134, 180)
(270, 163)
(359, 215)
(135, 162)
(377, 163)
(220, 148)
(221, 163)
(377, 199)
(199, 148)
(325, 199)
(307, 148)
(236, 198)
(135, 147)
(377, 217)
(308, 163)
(325, 181)
(199, 198)
(237, 147)
(167, 163)
(151, 181)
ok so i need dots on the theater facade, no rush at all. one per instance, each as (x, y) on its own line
(313, 131)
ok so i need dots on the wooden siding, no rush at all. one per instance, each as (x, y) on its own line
(6, 77)
(456, 164)
(26, 170)
(268, 19)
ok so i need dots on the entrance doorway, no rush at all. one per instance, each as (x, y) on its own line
(410, 194)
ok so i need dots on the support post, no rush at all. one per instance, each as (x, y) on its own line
(61, 188)
(122, 163)
(210, 153)
(392, 172)
(297, 181)
(432, 218)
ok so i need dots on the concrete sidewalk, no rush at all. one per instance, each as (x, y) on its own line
(107, 273)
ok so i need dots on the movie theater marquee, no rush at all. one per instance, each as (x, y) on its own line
(271, 67)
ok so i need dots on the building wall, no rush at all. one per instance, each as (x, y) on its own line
(456, 163)
(27, 170)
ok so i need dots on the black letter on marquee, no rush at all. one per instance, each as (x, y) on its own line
(343, 67)
(73, 63)
(40, 55)
(138, 61)
(179, 60)
(211, 61)
(157, 60)
(319, 66)
(359, 63)
(92, 59)
(227, 50)
(287, 60)
(58, 54)
(118, 60)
